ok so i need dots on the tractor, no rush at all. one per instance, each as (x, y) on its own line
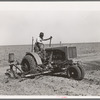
(59, 60)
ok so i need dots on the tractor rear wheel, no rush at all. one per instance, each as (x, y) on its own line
(73, 72)
(28, 64)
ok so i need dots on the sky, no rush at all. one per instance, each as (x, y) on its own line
(68, 22)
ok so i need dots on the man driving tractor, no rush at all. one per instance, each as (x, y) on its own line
(39, 46)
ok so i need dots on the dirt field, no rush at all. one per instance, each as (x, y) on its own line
(54, 85)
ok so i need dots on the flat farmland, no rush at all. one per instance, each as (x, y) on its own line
(88, 54)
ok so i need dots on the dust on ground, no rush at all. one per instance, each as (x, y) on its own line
(55, 85)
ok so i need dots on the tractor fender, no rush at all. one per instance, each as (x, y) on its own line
(36, 57)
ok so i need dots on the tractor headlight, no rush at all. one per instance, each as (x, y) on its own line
(75, 61)
(79, 63)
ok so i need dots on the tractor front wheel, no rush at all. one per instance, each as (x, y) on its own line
(73, 72)
(82, 72)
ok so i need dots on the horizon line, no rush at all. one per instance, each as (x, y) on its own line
(48, 44)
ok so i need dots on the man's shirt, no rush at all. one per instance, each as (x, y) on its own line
(39, 40)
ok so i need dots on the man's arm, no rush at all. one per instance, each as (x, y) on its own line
(47, 38)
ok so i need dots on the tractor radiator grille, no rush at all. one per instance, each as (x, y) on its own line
(72, 52)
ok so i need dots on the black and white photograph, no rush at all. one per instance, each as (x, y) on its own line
(50, 49)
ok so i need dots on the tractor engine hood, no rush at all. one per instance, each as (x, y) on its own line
(70, 52)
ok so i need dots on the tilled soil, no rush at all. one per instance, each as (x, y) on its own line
(55, 85)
